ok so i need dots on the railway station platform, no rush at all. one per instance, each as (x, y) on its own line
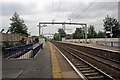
(37, 67)
(48, 63)
(60, 67)
(97, 46)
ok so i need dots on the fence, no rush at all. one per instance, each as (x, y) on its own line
(109, 43)
(35, 50)
(15, 52)
(113, 42)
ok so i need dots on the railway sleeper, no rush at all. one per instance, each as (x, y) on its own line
(95, 78)
(91, 74)
(87, 68)
(82, 66)
(79, 64)
(88, 71)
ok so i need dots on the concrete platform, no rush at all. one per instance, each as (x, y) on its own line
(39, 67)
(28, 55)
(108, 48)
(48, 63)
(66, 71)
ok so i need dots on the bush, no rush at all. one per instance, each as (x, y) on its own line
(36, 39)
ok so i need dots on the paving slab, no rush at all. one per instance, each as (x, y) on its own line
(12, 73)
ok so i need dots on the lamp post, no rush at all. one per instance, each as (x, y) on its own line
(39, 29)
(111, 34)
(86, 33)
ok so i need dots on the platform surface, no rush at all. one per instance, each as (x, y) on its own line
(45, 64)
(66, 71)
(108, 48)
(39, 67)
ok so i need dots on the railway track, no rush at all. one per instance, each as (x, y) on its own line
(91, 66)
(111, 56)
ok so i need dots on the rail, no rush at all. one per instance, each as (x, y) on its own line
(84, 66)
(75, 52)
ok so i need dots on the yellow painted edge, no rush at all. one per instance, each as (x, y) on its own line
(56, 71)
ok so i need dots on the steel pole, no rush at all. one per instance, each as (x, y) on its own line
(39, 31)
(86, 33)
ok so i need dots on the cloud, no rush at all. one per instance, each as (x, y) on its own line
(34, 11)
(8, 8)
(99, 8)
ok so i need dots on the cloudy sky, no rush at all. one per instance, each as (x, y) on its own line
(91, 12)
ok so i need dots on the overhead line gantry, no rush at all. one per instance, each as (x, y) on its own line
(69, 23)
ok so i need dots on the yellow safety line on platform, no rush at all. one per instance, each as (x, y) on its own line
(56, 71)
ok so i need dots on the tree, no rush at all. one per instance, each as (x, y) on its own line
(17, 25)
(91, 32)
(36, 39)
(111, 24)
(57, 37)
(61, 32)
(69, 36)
(101, 34)
(78, 33)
